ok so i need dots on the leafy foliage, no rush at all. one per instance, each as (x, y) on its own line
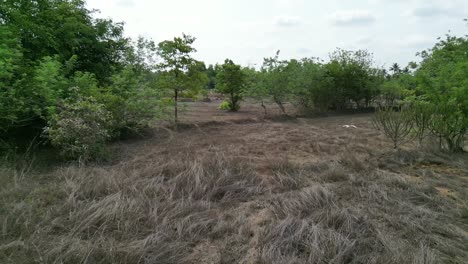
(354, 80)
(54, 52)
(442, 82)
(312, 85)
(348, 80)
(79, 128)
(276, 77)
(180, 72)
(225, 105)
(230, 81)
(396, 89)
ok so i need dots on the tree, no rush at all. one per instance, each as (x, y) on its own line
(10, 58)
(442, 81)
(254, 88)
(211, 72)
(178, 66)
(65, 28)
(354, 78)
(55, 51)
(395, 69)
(397, 88)
(311, 85)
(230, 80)
(276, 76)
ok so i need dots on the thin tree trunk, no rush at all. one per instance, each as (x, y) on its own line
(176, 94)
(280, 105)
(176, 99)
(233, 104)
(264, 108)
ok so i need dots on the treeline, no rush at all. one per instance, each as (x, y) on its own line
(427, 101)
(79, 82)
(349, 80)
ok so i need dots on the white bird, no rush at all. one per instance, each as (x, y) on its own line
(349, 126)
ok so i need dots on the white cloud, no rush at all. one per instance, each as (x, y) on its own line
(287, 21)
(352, 17)
(435, 11)
(126, 3)
(364, 41)
(304, 51)
(246, 30)
(416, 41)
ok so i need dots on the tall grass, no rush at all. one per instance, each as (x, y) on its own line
(208, 208)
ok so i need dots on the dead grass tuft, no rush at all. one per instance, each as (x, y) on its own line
(301, 203)
(269, 192)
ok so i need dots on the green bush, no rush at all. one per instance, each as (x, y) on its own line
(231, 81)
(449, 124)
(225, 105)
(134, 100)
(79, 128)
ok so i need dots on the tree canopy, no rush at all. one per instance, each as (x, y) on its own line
(230, 81)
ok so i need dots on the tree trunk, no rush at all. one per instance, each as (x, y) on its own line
(264, 108)
(280, 105)
(176, 98)
(176, 94)
(233, 103)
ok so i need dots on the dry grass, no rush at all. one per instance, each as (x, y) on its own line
(295, 191)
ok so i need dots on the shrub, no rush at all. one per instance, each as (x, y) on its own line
(422, 115)
(230, 81)
(450, 125)
(79, 128)
(395, 124)
(227, 106)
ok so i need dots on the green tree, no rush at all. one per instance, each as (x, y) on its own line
(397, 88)
(254, 89)
(10, 63)
(211, 72)
(354, 78)
(65, 28)
(276, 78)
(312, 85)
(179, 68)
(395, 69)
(442, 81)
(230, 80)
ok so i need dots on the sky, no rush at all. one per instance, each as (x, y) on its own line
(246, 31)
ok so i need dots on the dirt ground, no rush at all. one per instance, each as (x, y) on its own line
(242, 188)
(204, 112)
(249, 134)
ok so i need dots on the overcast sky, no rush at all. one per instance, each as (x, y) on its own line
(248, 30)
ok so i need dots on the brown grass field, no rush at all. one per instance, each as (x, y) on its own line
(241, 188)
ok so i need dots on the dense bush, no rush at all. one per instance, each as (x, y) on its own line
(449, 125)
(354, 78)
(79, 128)
(56, 61)
(225, 105)
(348, 80)
(230, 81)
(442, 83)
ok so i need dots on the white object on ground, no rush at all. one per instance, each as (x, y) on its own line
(349, 126)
